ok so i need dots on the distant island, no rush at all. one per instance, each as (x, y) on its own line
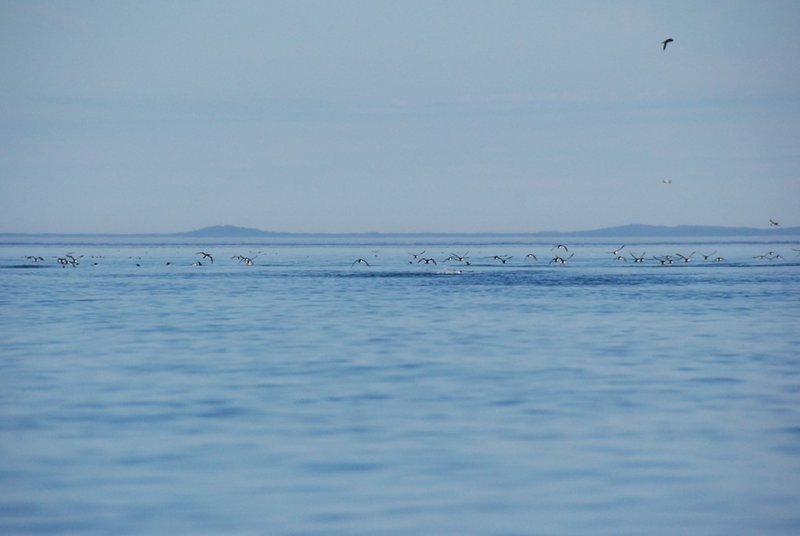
(635, 230)
(216, 231)
(630, 231)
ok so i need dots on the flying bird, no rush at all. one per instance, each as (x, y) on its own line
(560, 260)
(773, 223)
(359, 261)
(665, 42)
(459, 258)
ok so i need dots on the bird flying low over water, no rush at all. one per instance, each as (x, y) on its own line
(248, 261)
(206, 256)
(560, 260)
(773, 223)
(359, 261)
(665, 42)
(457, 257)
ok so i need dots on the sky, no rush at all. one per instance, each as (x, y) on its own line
(397, 116)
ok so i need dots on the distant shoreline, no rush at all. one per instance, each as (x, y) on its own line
(631, 231)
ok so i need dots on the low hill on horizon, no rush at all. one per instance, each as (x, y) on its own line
(643, 230)
(631, 230)
(227, 231)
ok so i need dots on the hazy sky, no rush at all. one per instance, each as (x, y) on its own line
(397, 116)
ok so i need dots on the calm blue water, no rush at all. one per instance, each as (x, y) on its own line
(303, 395)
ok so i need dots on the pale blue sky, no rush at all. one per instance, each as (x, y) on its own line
(397, 116)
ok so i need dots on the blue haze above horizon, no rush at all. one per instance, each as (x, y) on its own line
(414, 116)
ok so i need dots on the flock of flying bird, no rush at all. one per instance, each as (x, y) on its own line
(561, 255)
(417, 258)
(663, 260)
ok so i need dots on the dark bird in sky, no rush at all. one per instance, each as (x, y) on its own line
(665, 42)
(773, 223)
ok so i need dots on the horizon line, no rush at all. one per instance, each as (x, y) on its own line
(239, 231)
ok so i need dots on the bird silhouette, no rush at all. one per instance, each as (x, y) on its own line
(665, 42)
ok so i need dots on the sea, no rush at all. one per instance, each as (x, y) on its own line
(145, 390)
